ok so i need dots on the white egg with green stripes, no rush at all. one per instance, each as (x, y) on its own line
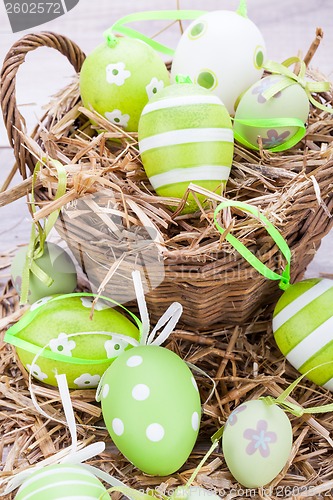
(62, 482)
(303, 328)
(185, 135)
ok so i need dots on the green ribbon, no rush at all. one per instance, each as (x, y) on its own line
(162, 15)
(292, 79)
(284, 278)
(242, 8)
(39, 233)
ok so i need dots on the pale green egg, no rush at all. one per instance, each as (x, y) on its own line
(118, 81)
(55, 262)
(83, 358)
(256, 442)
(151, 407)
(62, 481)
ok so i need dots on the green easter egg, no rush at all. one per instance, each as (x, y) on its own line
(83, 358)
(62, 481)
(118, 81)
(256, 442)
(290, 103)
(303, 328)
(193, 493)
(151, 407)
(56, 263)
(185, 135)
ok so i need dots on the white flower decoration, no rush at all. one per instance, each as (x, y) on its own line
(117, 118)
(40, 302)
(153, 87)
(37, 372)
(114, 347)
(86, 380)
(62, 345)
(117, 74)
(87, 302)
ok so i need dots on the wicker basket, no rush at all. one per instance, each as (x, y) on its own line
(203, 272)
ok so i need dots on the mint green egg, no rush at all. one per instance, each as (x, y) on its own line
(118, 81)
(56, 263)
(62, 481)
(303, 329)
(185, 135)
(83, 358)
(256, 442)
(290, 103)
(151, 408)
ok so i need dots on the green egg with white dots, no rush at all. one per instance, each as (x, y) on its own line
(151, 408)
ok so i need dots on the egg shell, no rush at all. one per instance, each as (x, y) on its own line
(57, 264)
(303, 328)
(185, 135)
(256, 442)
(118, 81)
(151, 408)
(291, 102)
(193, 493)
(54, 322)
(223, 52)
(62, 481)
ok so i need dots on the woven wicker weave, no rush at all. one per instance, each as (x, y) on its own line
(204, 273)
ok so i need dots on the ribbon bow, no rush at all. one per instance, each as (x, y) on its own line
(309, 86)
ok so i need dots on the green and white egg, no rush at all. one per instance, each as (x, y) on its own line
(62, 481)
(303, 328)
(256, 442)
(118, 81)
(279, 111)
(56, 263)
(185, 135)
(52, 321)
(223, 52)
(151, 407)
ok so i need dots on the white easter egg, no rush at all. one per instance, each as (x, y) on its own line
(222, 51)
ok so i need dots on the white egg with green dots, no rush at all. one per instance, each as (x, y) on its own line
(117, 79)
(185, 135)
(62, 482)
(151, 408)
(78, 346)
(303, 328)
(224, 52)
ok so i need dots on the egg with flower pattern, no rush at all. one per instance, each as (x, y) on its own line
(256, 442)
(117, 80)
(76, 345)
(151, 407)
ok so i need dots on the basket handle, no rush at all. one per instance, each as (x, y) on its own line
(13, 119)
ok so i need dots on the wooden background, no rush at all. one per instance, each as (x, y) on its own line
(287, 26)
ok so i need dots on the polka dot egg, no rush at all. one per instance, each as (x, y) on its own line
(83, 358)
(303, 328)
(185, 135)
(118, 80)
(223, 52)
(56, 482)
(151, 407)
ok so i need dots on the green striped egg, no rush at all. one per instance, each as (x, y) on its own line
(185, 135)
(62, 482)
(303, 328)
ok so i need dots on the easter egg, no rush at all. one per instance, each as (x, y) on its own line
(303, 328)
(185, 135)
(83, 358)
(256, 442)
(290, 103)
(193, 493)
(151, 408)
(117, 81)
(223, 52)
(55, 262)
(60, 482)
